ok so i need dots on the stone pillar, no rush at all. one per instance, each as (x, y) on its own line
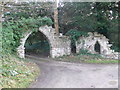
(21, 51)
(61, 47)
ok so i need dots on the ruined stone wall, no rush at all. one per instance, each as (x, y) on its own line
(59, 45)
(89, 42)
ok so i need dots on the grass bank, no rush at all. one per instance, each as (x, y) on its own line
(17, 73)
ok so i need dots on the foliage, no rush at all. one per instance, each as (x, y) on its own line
(0, 38)
(117, 49)
(89, 16)
(12, 31)
(107, 18)
(101, 17)
(86, 52)
(76, 15)
(16, 73)
(27, 9)
(75, 34)
(21, 17)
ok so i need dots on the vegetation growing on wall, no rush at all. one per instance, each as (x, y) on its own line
(13, 30)
(75, 34)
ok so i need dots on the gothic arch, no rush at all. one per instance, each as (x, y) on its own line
(43, 29)
(59, 46)
(97, 47)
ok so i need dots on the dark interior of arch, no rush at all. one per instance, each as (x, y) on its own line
(37, 45)
(73, 48)
(97, 47)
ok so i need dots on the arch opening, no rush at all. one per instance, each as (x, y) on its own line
(73, 48)
(97, 47)
(37, 44)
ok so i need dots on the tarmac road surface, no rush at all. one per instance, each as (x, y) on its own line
(57, 74)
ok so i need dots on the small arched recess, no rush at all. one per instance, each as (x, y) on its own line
(97, 47)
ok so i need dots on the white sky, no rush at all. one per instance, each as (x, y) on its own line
(61, 0)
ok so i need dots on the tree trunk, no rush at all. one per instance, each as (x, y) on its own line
(56, 18)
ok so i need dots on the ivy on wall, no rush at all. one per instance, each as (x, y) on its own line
(13, 31)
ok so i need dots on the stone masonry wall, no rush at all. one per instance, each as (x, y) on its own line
(59, 45)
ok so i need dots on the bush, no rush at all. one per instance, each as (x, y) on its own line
(75, 34)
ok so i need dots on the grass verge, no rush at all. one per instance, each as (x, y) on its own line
(102, 61)
(17, 73)
(88, 58)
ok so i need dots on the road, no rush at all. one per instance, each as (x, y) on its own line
(56, 74)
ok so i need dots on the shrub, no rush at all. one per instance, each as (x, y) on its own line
(75, 34)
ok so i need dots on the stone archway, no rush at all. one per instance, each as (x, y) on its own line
(59, 46)
(37, 44)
